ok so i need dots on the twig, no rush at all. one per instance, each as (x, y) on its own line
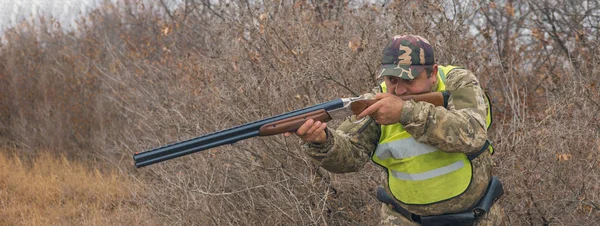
(238, 191)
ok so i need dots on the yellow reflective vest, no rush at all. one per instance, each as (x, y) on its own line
(419, 173)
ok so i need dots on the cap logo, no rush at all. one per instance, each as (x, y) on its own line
(422, 56)
(404, 58)
(408, 73)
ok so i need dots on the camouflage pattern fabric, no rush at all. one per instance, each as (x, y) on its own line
(406, 56)
(460, 128)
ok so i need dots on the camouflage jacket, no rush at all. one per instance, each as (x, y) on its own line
(461, 127)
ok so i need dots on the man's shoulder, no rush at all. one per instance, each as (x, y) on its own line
(460, 77)
(458, 74)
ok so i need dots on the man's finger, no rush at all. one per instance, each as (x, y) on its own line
(318, 136)
(370, 110)
(309, 132)
(304, 127)
(313, 128)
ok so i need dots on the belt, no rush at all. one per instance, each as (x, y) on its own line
(493, 192)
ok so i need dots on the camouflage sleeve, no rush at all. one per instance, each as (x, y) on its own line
(348, 148)
(459, 128)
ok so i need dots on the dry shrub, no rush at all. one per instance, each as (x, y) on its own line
(550, 165)
(130, 78)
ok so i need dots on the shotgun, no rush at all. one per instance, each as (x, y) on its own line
(286, 122)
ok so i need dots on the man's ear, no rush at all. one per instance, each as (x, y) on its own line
(434, 72)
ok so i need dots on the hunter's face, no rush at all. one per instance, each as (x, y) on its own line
(421, 84)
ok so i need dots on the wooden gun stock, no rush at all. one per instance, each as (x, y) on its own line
(435, 98)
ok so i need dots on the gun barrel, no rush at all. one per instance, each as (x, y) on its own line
(228, 136)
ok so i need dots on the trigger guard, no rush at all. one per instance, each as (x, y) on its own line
(358, 121)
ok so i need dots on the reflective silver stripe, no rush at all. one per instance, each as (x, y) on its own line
(429, 174)
(403, 148)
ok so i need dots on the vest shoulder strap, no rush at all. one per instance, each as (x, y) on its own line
(444, 70)
(483, 148)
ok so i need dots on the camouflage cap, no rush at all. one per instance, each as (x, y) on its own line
(406, 56)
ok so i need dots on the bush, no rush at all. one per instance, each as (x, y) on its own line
(130, 78)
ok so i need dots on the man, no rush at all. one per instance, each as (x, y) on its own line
(437, 159)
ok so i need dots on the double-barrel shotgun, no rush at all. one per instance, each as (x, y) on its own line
(286, 122)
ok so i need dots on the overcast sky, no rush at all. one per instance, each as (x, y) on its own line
(65, 11)
(12, 11)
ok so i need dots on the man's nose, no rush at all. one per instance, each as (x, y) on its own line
(400, 89)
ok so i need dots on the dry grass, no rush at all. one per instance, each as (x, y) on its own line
(132, 78)
(50, 190)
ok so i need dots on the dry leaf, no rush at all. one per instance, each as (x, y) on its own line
(374, 9)
(331, 23)
(510, 10)
(563, 157)
(298, 4)
(355, 44)
(262, 16)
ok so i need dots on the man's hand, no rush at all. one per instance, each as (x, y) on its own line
(311, 131)
(386, 110)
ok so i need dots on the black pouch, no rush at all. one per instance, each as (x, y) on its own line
(494, 192)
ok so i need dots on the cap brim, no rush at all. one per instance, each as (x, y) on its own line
(401, 71)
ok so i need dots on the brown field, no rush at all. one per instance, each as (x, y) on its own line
(76, 104)
(49, 190)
